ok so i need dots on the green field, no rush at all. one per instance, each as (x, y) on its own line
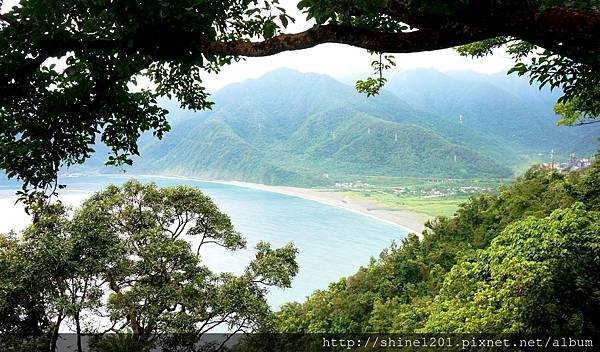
(433, 197)
(438, 206)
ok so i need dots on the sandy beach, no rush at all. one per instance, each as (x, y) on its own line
(411, 221)
(13, 217)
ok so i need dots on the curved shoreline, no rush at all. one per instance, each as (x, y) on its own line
(407, 220)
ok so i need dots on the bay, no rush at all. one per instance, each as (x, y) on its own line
(332, 242)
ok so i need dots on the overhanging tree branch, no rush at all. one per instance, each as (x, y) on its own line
(106, 48)
(404, 42)
(565, 31)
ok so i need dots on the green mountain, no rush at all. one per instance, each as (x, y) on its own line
(505, 106)
(305, 129)
(293, 128)
(351, 142)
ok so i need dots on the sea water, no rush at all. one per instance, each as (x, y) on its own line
(332, 242)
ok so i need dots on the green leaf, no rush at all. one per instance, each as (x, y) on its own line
(284, 20)
(269, 29)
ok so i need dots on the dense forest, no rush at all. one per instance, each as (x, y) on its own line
(128, 264)
(522, 261)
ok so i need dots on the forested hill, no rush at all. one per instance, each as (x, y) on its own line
(506, 106)
(294, 128)
(524, 261)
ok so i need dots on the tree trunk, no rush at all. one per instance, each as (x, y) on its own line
(78, 330)
(55, 334)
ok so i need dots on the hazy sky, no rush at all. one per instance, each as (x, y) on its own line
(341, 60)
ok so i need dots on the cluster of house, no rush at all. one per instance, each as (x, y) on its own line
(427, 193)
(434, 192)
(571, 164)
(350, 185)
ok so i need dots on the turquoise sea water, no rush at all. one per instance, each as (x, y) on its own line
(332, 242)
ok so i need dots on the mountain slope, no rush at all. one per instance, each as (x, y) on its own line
(362, 144)
(305, 129)
(507, 107)
(210, 149)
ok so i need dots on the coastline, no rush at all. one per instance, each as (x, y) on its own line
(408, 220)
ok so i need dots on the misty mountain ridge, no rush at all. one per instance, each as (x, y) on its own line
(309, 129)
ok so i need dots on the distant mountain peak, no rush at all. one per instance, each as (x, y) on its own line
(291, 127)
(290, 73)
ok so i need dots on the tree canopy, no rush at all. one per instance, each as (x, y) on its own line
(524, 261)
(130, 261)
(68, 69)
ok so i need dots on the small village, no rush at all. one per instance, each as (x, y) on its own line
(425, 191)
(437, 188)
(572, 164)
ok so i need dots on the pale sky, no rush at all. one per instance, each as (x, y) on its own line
(340, 60)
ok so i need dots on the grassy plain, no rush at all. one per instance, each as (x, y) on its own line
(433, 197)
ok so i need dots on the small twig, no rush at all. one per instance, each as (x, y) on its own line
(587, 123)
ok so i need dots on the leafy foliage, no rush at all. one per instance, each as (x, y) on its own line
(133, 254)
(538, 276)
(371, 86)
(66, 83)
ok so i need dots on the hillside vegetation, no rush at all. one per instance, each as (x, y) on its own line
(523, 261)
(303, 129)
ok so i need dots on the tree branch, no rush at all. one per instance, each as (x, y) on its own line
(9, 19)
(569, 32)
(404, 42)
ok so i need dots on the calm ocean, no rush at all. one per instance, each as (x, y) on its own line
(332, 242)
